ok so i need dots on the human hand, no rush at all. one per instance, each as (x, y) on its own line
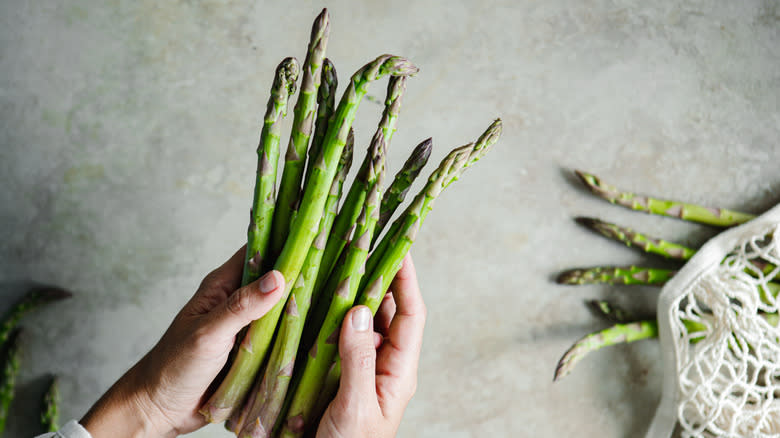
(161, 394)
(379, 369)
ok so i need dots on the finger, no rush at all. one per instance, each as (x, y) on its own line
(400, 352)
(358, 357)
(384, 316)
(378, 338)
(246, 305)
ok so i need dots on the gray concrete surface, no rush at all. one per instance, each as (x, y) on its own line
(127, 136)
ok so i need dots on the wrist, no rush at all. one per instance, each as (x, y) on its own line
(126, 411)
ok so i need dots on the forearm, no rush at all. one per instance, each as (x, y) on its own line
(126, 411)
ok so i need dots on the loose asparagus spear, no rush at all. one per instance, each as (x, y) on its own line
(326, 345)
(394, 246)
(396, 192)
(50, 413)
(326, 105)
(253, 350)
(263, 203)
(356, 196)
(632, 238)
(10, 370)
(649, 244)
(617, 334)
(32, 300)
(266, 402)
(304, 113)
(711, 216)
(616, 275)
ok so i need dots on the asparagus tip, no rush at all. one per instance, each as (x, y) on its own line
(591, 181)
(571, 276)
(566, 363)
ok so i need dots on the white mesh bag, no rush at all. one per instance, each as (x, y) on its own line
(720, 342)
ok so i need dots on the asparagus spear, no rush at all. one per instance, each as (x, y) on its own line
(652, 245)
(31, 300)
(50, 413)
(10, 370)
(396, 192)
(706, 215)
(356, 196)
(616, 275)
(326, 104)
(253, 349)
(304, 113)
(267, 159)
(394, 247)
(632, 238)
(617, 334)
(267, 400)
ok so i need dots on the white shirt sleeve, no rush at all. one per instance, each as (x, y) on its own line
(69, 430)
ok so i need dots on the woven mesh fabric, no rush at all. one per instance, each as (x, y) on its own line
(720, 336)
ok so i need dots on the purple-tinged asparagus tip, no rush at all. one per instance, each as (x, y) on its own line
(571, 276)
(52, 293)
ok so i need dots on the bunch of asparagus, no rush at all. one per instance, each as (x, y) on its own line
(284, 368)
(627, 328)
(10, 344)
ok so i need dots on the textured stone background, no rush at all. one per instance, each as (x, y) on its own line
(127, 136)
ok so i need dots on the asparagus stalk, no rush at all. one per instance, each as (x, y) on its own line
(31, 300)
(617, 334)
(326, 105)
(304, 114)
(396, 192)
(10, 370)
(254, 347)
(394, 246)
(356, 196)
(263, 204)
(50, 413)
(325, 347)
(267, 401)
(630, 275)
(632, 238)
(720, 217)
(652, 245)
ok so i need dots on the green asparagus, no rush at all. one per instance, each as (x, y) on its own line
(303, 120)
(609, 311)
(631, 275)
(33, 299)
(10, 370)
(617, 334)
(394, 247)
(720, 217)
(326, 105)
(396, 192)
(303, 230)
(50, 413)
(634, 239)
(263, 204)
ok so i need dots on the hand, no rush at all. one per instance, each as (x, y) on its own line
(379, 370)
(161, 394)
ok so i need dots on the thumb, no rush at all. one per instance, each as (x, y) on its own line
(247, 304)
(358, 357)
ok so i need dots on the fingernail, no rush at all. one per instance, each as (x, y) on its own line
(268, 283)
(361, 318)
